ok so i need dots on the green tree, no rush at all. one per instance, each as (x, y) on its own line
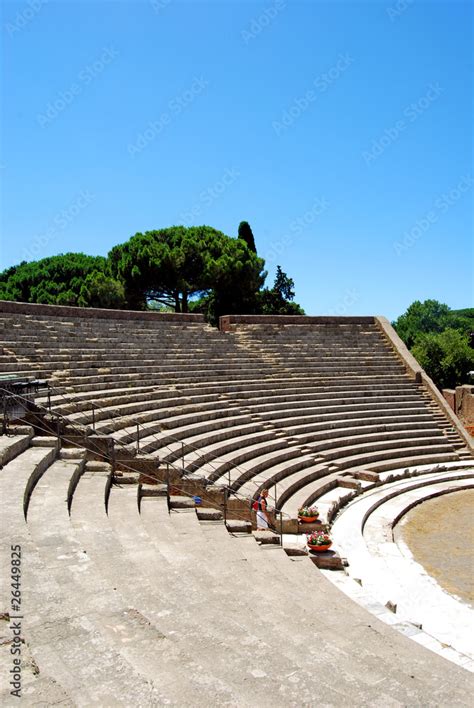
(278, 300)
(445, 356)
(57, 280)
(178, 265)
(424, 317)
(464, 320)
(101, 290)
(245, 233)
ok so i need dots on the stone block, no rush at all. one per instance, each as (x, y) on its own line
(328, 560)
(295, 551)
(266, 538)
(464, 401)
(450, 397)
(208, 514)
(348, 483)
(367, 476)
(238, 526)
(181, 503)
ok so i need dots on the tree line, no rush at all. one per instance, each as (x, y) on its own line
(200, 269)
(440, 339)
(180, 269)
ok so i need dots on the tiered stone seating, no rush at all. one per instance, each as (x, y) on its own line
(293, 406)
(146, 608)
(366, 532)
(126, 604)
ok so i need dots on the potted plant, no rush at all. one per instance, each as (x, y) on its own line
(318, 541)
(308, 514)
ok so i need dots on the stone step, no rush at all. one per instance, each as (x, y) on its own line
(237, 526)
(328, 560)
(97, 466)
(266, 537)
(208, 514)
(11, 446)
(44, 441)
(133, 610)
(152, 490)
(348, 483)
(177, 502)
(72, 453)
(366, 476)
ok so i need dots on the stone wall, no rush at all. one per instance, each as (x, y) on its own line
(58, 311)
(450, 397)
(420, 376)
(228, 322)
(461, 400)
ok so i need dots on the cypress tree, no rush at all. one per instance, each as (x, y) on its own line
(245, 233)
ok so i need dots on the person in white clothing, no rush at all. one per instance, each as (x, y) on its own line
(261, 509)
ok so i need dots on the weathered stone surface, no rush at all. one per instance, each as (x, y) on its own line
(181, 503)
(210, 514)
(329, 560)
(266, 538)
(238, 526)
(59, 311)
(131, 605)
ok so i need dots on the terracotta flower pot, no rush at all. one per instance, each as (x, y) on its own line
(319, 549)
(307, 519)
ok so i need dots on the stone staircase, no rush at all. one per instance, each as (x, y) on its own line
(136, 605)
(266, 404)
(175, 610)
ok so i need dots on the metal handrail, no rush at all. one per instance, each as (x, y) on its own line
(258, 482)
(59, 417)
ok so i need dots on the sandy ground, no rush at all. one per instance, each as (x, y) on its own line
(440, 535)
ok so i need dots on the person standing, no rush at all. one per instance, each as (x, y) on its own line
(261, 509)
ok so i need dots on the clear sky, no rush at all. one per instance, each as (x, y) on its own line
(341, 131)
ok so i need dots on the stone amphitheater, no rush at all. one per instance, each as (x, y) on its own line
(128, 488)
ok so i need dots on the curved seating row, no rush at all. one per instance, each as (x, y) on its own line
(364, 533)
(291, 407)
(141, 607)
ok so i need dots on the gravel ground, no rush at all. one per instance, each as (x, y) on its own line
(440, 535)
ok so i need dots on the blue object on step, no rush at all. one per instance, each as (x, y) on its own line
(197, 500)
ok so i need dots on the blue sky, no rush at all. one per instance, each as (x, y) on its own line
(342, 131)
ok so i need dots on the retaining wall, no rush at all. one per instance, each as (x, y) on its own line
(228, 323)
(58, 311)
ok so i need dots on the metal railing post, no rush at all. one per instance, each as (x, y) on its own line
(5, 417)
(225, 505)
(49, 399)
(138, 438)
(182, 456)
(58, 433)
(113, 461)
(93, 418)
(281, 528)
(168, 500)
